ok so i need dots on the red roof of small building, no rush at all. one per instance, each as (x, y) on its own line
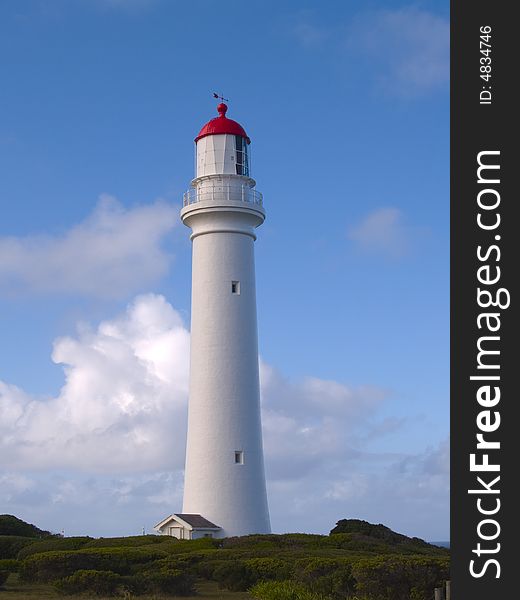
(222, 124)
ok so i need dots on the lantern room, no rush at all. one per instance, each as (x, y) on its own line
(222, 147)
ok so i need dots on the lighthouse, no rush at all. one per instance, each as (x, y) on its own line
(224, 477)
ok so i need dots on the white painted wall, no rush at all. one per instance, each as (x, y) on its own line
(184, 533)
(224, 404)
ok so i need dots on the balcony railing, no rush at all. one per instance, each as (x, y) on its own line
(230, 193)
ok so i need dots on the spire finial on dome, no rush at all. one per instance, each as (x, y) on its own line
(222, 108)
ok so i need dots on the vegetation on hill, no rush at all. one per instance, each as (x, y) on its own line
(366, 529)
(11, 525)
(357, 560)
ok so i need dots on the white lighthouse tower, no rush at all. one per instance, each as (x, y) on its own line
(224, 477)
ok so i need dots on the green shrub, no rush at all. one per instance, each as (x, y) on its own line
(10, 545)
(187, 564)
(205, 569)
(199, 564)
(330, 577)
(11, 565)
(238, 575)
(263, 569)
(270, 541)
(50, 544)
(171, 582)
(168, 581)
(234, 576)
(50, 566)
(133, 541)
(273, 541)
(188, 546)
(399, 578)
(100, 583)
(3, 577)
(353, 535)
(283, 590)
(306, 567)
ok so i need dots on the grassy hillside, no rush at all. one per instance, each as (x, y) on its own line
(357, 560)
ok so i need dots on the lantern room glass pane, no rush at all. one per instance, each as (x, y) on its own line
(242, 164)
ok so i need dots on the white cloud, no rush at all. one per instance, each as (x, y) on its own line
(412, 500)
(408, 47)
(313, 422)
(113, 252)
(355, 486)
(111, 443)
(97, 505)
(381, 232)
(12, 485)
(405, 50)
(123, 404)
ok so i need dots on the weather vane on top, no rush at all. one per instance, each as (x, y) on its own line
(215, 95)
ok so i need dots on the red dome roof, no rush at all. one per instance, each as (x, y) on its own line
(222, 124)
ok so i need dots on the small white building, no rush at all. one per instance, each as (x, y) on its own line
(188, 527)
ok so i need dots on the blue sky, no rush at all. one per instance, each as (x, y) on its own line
(347, 106)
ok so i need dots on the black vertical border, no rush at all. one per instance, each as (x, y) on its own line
(476, 127)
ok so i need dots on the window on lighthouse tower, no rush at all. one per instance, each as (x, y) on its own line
(242, 158)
